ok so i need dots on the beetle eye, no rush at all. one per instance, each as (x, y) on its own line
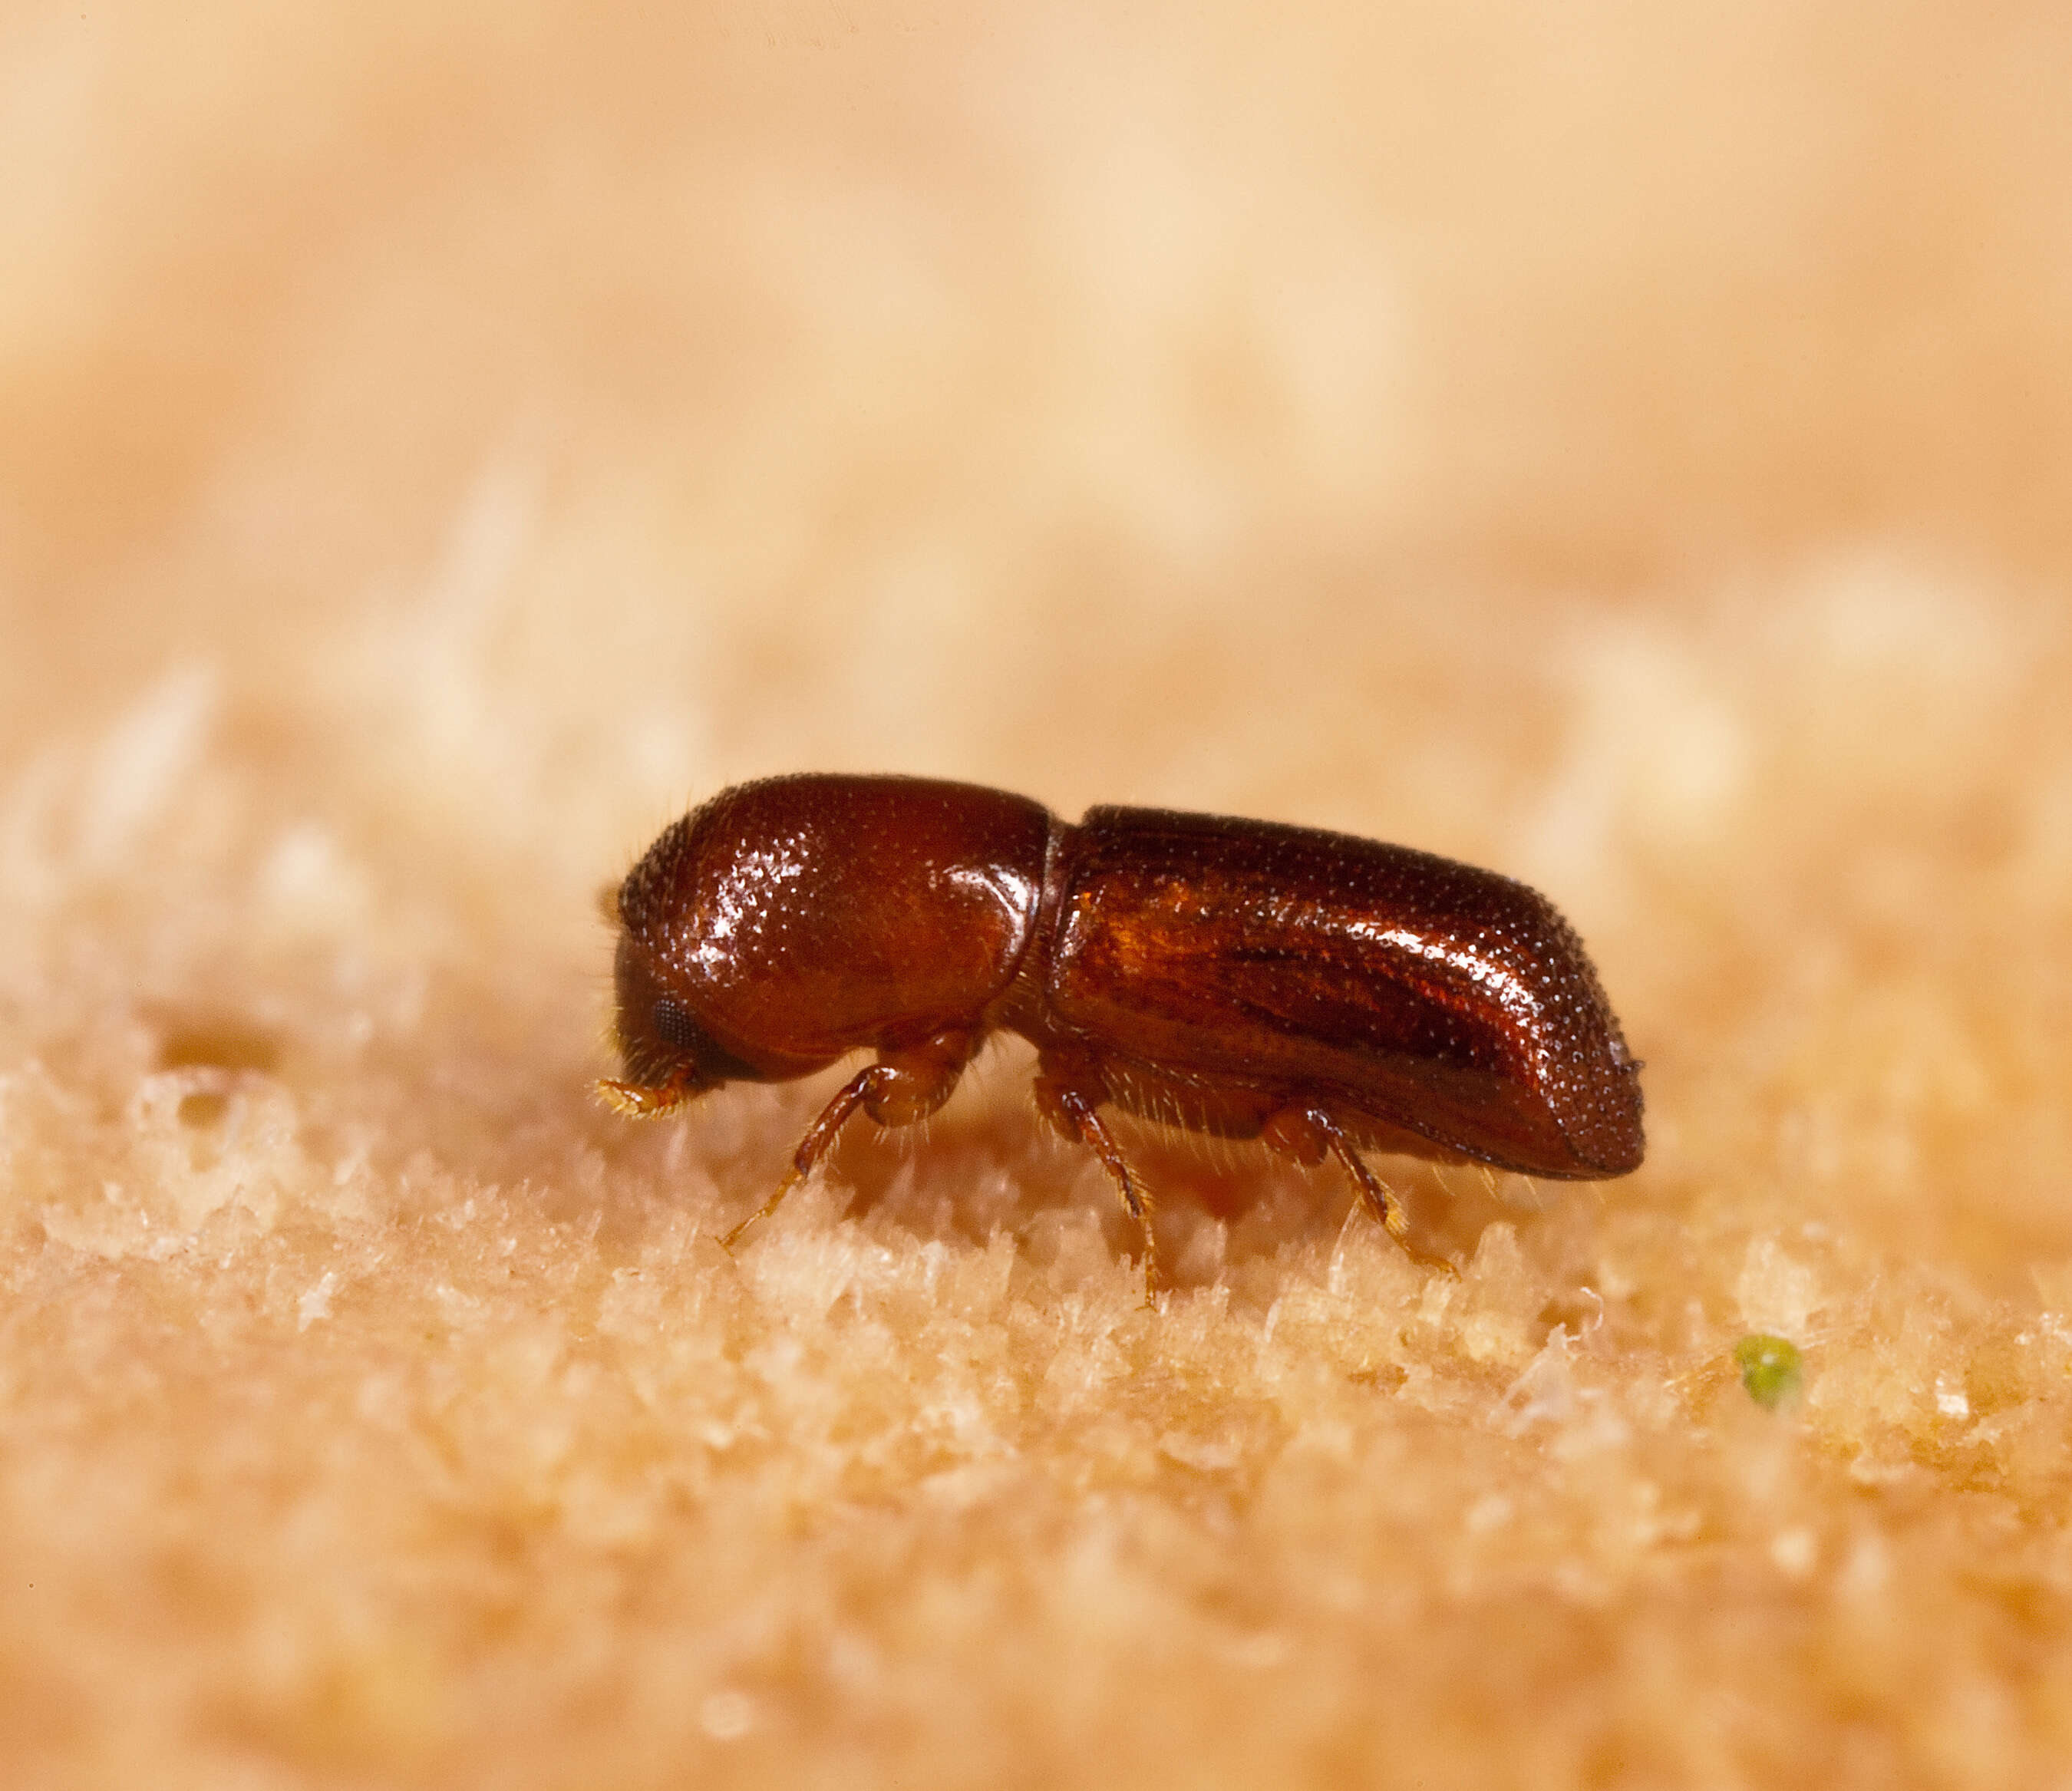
(674, 1026)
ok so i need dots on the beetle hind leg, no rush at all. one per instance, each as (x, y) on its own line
(1308, 1134)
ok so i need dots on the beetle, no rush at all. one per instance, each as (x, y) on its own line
(1322, 993)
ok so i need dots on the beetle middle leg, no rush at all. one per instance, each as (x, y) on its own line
(1068, 1104)
(904, 1086)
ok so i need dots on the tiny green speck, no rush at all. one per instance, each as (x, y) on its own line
(1771, 1369)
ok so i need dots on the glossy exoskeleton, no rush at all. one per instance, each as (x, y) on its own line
(1322, 993)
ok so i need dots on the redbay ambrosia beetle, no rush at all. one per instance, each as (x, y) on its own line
(1324, 994)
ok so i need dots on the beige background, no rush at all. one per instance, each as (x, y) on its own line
(1624, 445)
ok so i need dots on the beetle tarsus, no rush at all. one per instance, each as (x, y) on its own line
(819, 1135)
(792, 1178)
(1395, 1221)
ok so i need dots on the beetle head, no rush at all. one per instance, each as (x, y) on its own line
(668, 1055)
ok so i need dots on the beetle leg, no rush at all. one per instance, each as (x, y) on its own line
(811, 1148)
(900, 1088)
(918, 1078)
(1308, 1134)
(1077, 1115)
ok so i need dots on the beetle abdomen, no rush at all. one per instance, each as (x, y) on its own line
(1429, 996)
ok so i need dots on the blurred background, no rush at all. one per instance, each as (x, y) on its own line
(934, 362)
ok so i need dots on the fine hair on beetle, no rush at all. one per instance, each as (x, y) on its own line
(1243, 981)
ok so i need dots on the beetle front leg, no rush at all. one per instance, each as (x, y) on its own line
(902, 1087)
(1064, 1100)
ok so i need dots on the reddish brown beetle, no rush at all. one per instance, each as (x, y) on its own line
(1318, 991)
